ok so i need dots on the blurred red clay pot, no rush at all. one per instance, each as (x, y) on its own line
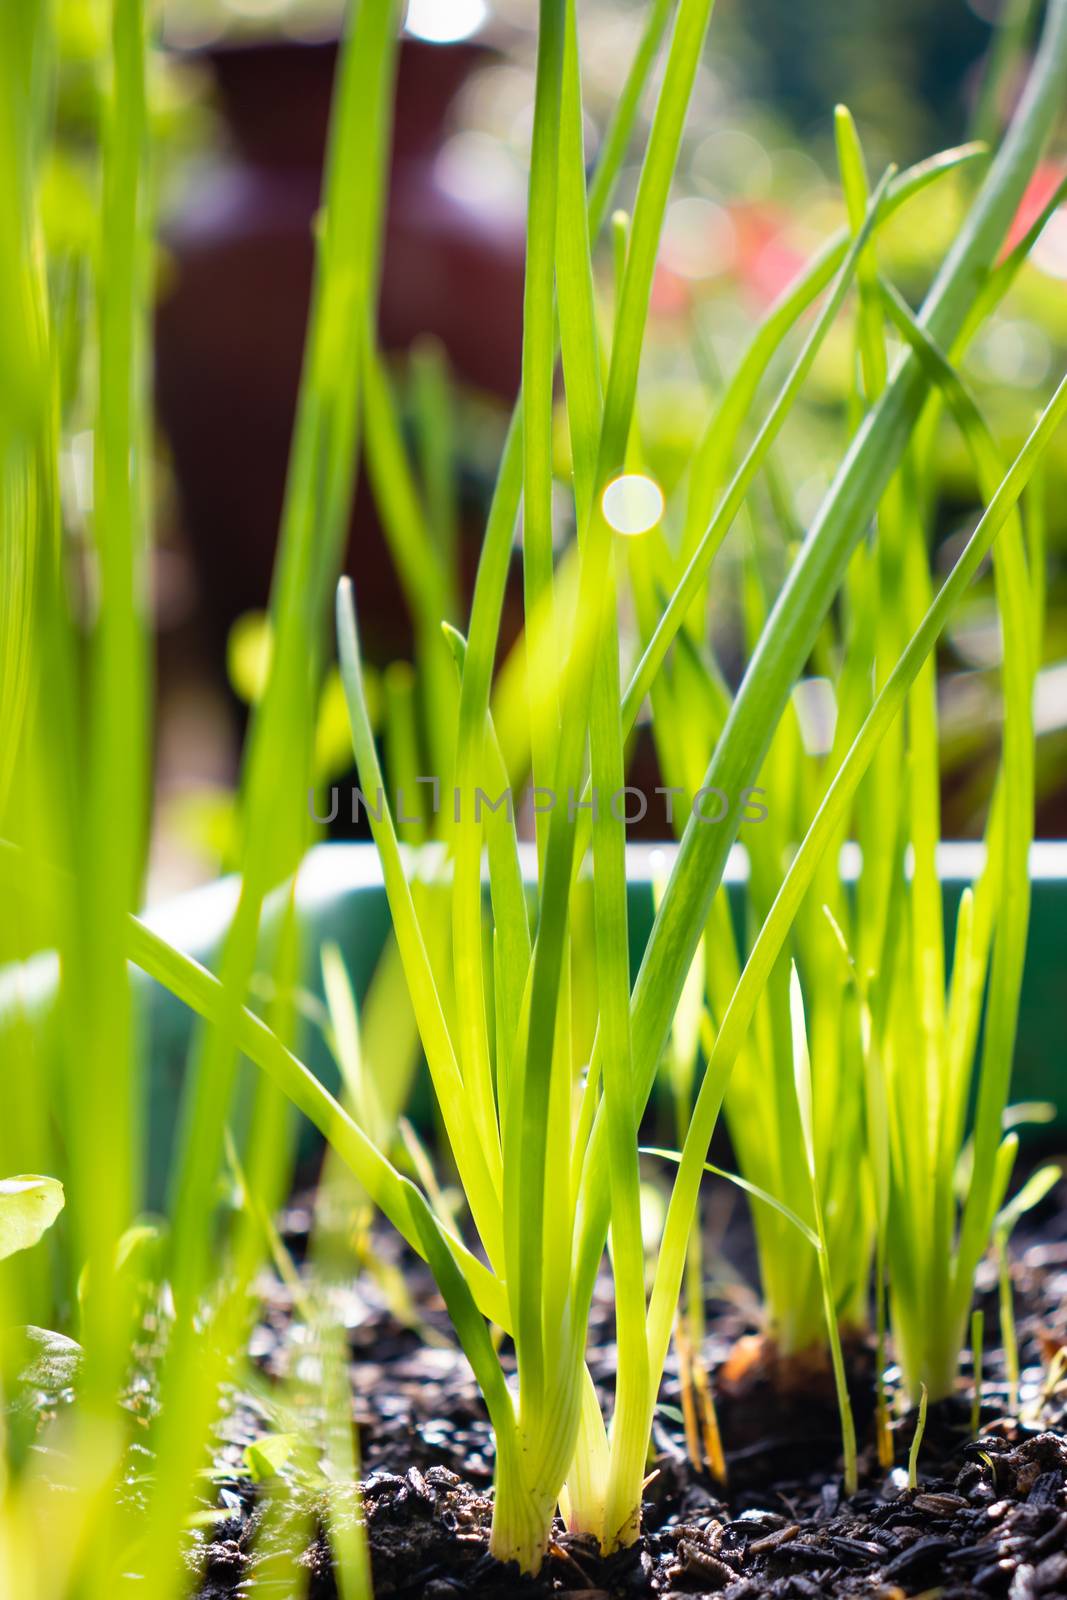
(230, 325)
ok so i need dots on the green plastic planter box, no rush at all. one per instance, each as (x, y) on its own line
(340, 897)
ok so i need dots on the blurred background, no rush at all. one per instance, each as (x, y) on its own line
(241, 99)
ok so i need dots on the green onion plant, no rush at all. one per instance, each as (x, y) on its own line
(842, 1052)
(511, 1110)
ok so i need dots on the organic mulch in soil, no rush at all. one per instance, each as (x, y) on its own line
(988, 1517)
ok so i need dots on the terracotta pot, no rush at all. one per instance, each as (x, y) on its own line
(230, 326)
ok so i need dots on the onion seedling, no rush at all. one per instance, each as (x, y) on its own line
(542, 1131)
(472, 1289)
(503, 1120)
(854, 1125)
(505, 1117)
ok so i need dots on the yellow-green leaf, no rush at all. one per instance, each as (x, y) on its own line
(28, 1207)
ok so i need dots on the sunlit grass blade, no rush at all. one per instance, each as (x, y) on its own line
(538, 363)
(853, 169)
(420, 562)
(529, 1123)
(433, 399)
(493, 566)
(314, 523)
(508, 894)
(1002, 63)
(619, 131)
(689, 585)
(489, 589)
(531, 1215)
(614, 1516)
(275, 823)
(753, 1189)
(199, 989)
(802, 1073)
(718, 443)
(475, 1144)
(359, 1088)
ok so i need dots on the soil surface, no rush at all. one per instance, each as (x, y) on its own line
(988, 1518)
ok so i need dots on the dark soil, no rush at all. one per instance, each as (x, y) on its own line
(989, 1517)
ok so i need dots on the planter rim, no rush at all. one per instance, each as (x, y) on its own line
(203, 914)
(340, 898)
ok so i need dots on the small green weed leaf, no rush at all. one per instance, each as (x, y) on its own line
(917, 1439)
(52, 1361)
(1031, 1194)
(139, 1247)
(28, 1207)
(1003, 1167)
(267, 1457)
(1027, 1113)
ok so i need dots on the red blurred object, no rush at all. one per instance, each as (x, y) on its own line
(230, 328)
(1039, 191)
(766, 262)
(672, 295)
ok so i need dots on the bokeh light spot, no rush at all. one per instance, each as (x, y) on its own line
(633, 503)
(698, 238)
(445, 21)
(479, 173)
